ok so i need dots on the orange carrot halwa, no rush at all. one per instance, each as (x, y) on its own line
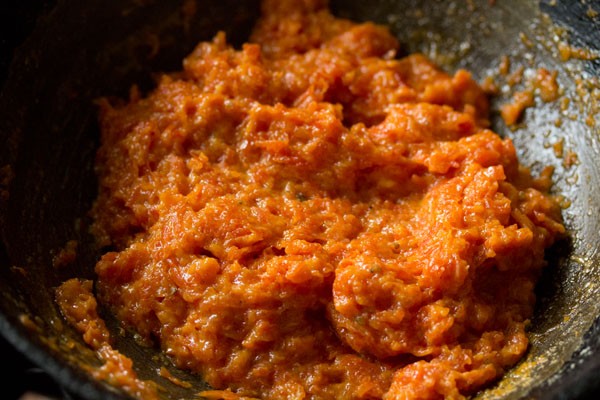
(312, 217)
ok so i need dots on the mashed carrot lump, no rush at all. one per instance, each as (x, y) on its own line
(311, 217)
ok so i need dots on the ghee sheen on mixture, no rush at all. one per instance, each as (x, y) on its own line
(311, 217)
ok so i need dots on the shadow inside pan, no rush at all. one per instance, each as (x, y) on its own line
(47, 181)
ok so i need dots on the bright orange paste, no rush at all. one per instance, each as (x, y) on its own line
(310, 217)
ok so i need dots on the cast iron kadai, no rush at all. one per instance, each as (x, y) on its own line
(79, 51)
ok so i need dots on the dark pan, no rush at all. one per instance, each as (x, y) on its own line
(79, 51)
